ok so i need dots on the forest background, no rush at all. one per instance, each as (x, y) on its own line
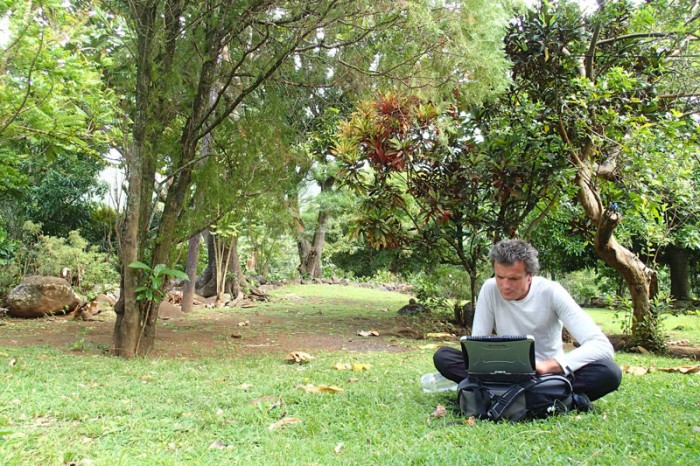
(385, 141)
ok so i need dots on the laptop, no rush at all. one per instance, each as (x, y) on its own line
(507, 358)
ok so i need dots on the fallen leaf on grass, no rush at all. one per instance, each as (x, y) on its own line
(470, 421)
(440, 336)
(245, 386)
(429, 346)
(244, 324)
(266, 402)
(439, 412)
(355, 367)
(12, 362)
(635, 370)
(309, 388)
(298, 357)
(217, 445)
(368, 333)
(284, 422)
(338, 448)
(682, 369)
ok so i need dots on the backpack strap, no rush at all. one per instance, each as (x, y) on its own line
(504, 401)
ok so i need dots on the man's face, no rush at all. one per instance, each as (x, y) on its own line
(512, 280)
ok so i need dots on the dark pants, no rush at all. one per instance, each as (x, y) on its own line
(595, 379)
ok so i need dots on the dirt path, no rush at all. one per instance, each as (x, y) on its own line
(228, 333)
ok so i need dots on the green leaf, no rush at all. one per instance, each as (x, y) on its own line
(139, 265)
(178, 274)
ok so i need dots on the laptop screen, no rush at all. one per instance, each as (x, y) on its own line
(499, 355)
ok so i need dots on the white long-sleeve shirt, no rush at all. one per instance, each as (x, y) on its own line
(541, 313)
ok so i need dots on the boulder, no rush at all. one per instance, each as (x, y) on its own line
(413, 308)
(38, 296)
(167, 311)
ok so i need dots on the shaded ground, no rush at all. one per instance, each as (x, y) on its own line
(230, 333)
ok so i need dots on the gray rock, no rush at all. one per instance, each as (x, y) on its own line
(38, 296)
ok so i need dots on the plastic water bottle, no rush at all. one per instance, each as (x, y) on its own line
(434, 382)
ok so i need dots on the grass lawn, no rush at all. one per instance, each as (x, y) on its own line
(64, 407)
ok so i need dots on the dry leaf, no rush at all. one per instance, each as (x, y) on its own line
(470, 421)
(635, 370)
(438, 413)
(338, 448)
(682, 369)
(284, 422)
(309, 388)
(266, 402)
(368, 333)
(357, 367)
(245, 386)
(298, 357)
(217, 444)
(429, 346)
(679, 343)
(353, 380)
(12, 362)
(440, 336)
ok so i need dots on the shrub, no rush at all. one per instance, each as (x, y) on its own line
(441, 287)
(91, 269)
(584, 285)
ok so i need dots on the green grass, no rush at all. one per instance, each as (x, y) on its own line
(58, 407)
(675, 328)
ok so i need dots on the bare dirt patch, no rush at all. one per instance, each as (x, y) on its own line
(234, 333)
(227, 333)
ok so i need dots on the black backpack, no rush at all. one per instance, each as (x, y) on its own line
(536, 397)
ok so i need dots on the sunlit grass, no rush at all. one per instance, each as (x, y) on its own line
(59, 406)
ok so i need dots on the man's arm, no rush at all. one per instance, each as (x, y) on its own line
(594, 345)
(484, 319)
(548, 366)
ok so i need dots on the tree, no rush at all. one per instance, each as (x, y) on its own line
(449, 187)
(601, 81)
(185, 53)
(52, 132)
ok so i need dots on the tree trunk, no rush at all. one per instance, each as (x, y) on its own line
(310, 254)
(641, 281)
(206, 283)
(677, 260)
(130, 336)
(191, 271)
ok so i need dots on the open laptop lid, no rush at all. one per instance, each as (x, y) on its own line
(499, 356)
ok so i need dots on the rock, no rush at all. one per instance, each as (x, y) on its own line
(168, 311)
(412, 308)
(38, 296)
(105, 300)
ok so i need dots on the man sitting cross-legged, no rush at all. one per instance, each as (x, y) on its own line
(516, 302)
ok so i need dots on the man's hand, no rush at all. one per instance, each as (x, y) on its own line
(548, 366)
